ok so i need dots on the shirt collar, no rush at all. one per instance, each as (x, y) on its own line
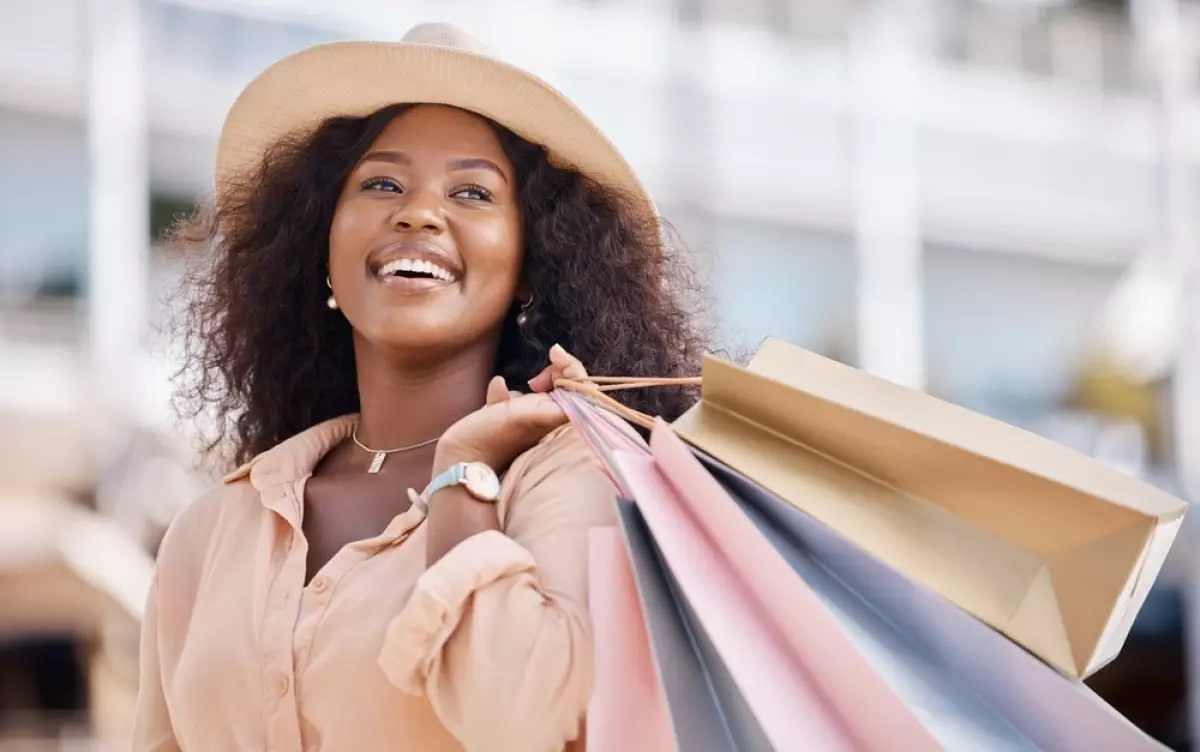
(294, 458)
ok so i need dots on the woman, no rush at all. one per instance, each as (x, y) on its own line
(384, 270)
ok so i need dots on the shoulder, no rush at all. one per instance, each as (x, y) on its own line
(562, 451)
(560, 476)
(197, 526)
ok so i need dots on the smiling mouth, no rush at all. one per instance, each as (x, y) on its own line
(417, 269)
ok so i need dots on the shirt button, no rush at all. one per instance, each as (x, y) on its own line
(283, 686)
(320, 585)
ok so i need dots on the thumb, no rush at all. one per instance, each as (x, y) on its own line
(497, 391)
(544, 381)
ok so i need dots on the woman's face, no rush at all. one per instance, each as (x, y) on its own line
(425, 247)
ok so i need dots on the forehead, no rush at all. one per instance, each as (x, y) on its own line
(438, 130)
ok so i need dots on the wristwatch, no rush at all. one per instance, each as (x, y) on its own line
(479, 480)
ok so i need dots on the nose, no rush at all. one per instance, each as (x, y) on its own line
(421, 212)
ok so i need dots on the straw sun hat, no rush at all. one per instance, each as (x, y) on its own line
(433, 64)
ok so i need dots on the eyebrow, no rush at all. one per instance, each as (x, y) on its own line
(454, 165)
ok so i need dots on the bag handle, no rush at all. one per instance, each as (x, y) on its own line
(596, 388)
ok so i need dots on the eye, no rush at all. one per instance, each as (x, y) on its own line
(473, 193)
(382, 184)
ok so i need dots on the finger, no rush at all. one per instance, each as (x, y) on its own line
(537, 411)
(497, 391)
(544, 381)
(567, 365)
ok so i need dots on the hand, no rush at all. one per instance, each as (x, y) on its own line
(510, 423)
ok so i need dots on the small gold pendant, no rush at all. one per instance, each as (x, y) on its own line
(377, 462)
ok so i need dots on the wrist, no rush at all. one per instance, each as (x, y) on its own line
(443, 460)
(448, 455)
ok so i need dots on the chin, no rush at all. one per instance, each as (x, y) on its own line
(423, 332)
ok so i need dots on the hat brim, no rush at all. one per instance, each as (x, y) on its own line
(355, 79)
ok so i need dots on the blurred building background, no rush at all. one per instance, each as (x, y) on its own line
(992, 200)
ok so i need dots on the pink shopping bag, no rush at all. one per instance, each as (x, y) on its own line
(627, 710)
(802, 679)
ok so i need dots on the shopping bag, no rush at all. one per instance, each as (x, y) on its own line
(1051, 548)
(801, 680)
(969, 686)
(708, 712)
(627, 710)
(970, 683)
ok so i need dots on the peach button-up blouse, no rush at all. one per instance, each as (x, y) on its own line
(489, 650)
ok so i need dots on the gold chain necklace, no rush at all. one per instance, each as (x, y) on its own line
(382, 454)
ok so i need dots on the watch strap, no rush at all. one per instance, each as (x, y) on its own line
(451, 476)
(459, 474)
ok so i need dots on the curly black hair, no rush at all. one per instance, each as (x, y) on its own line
(265, 358)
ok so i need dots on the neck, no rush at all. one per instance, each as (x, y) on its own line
(405, 403)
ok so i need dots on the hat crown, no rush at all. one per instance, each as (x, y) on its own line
(444, 35)
(435, 63)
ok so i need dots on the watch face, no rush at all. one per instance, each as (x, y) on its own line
(481, 481)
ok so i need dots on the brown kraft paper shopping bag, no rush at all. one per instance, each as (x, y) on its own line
(1050, 547)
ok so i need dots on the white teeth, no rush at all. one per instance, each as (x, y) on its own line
(420, 266)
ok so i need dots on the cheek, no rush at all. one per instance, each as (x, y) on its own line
(499, 251)
(347, 231)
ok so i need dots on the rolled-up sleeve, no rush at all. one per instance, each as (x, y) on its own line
(496, 634)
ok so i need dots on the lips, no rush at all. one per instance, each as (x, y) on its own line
(407, 267)
(413, 267)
